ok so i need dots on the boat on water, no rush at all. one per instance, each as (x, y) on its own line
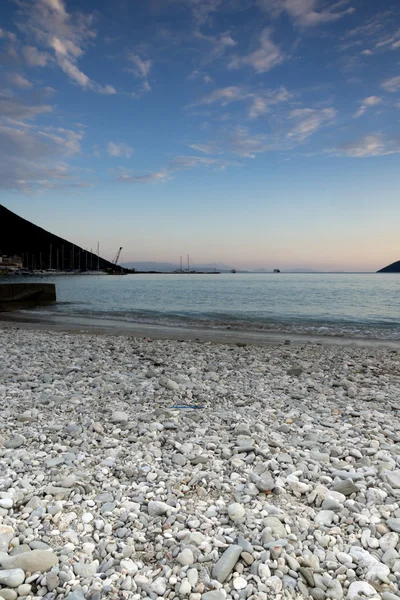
(276, 270)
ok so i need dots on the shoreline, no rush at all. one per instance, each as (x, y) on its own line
(196, 334)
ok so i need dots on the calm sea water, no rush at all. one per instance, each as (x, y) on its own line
(331, 304)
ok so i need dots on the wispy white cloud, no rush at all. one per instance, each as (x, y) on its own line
(262, 60)
(392, 84)
(127, 176)
(220, 44)
(20, 82)
(33, 159)
(141, 67)
(12, 107)
(262, 102)
(307, 13)
(308, 121)
(34, 57)
(224, 96)
(367, 103)
(202, 10)
(370, 145)
(259, 102)
(179, 163)
(64, 34)
(121, 150)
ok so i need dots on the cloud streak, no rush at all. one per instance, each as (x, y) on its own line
(306, 13)
(367, 103)
(308, 121)
(260, 102)
(369, 146)
(65, 37)
(262, 60)
(391, 85)
(120, 150)
(179, 163)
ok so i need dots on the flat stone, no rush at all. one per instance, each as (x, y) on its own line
(118, 416)
(239, 583)
(156, 508)
(346, 487)
(214, 595)
(278, 529)
(185, 557)
(12, 577)
(8, 594)
(393, 478)
(6, 535)
(360, 588)
(75, 595)
(52, 581)
(324, 517)
(236, 511)
(86, 570)
(224, 567)
(32, 562)
(16, 441)
(394, 524)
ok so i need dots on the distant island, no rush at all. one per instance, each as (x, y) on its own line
(393, 268)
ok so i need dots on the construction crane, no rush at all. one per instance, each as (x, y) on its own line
(116, 259)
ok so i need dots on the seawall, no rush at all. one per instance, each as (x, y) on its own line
(17, 294)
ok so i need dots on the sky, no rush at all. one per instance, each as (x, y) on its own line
(255, 133)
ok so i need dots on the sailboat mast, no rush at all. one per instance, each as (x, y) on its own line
(62, 258)
(50, 257)
(98, 255)
(188, 263)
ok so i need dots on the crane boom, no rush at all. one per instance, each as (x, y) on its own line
(116, 259)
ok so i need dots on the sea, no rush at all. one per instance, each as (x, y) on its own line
(350, 305)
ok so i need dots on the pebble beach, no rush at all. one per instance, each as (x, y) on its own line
(136, 468)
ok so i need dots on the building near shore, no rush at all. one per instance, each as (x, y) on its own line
(11, 261)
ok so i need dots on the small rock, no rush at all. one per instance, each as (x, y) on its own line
(224, 567)
(185, 557)
(12, 577)
(236, 511)
(239, 583)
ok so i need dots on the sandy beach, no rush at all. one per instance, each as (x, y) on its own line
(135, 467)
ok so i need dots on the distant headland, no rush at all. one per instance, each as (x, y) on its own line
(393, 268)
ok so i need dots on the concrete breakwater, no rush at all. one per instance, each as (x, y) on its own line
(17, 294)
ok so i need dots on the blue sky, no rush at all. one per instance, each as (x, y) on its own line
(251, 132)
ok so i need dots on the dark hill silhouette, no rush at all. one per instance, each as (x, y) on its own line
(393, 268)
(34, 244)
